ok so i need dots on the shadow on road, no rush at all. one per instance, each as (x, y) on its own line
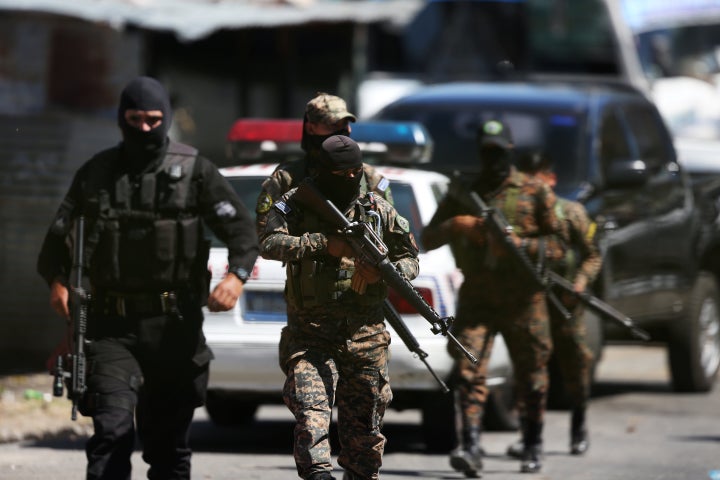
(608, 388)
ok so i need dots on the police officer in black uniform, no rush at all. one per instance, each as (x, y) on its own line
(145, 202)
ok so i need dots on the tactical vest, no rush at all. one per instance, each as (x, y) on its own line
(144, 231)
(473, 258)
(319, 280)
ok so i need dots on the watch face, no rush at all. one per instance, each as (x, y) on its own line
(241, 273)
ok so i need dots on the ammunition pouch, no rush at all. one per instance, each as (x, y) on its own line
(315, 282)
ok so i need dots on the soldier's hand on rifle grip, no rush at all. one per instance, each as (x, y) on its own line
(370, 273)
(338, 247)
(59, 296)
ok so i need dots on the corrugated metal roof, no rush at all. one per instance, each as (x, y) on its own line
(195, 19)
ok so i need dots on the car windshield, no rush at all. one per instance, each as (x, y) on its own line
(557, 132)
(248, 189)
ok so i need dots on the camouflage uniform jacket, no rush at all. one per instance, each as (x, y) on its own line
(578, 231)
(528, 205)
(293, 235)
(288, 175)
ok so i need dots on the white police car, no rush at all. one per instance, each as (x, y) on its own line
(245, 373)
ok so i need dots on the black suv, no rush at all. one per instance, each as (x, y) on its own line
(612, 152)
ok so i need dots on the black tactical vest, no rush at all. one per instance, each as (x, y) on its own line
(144, 231)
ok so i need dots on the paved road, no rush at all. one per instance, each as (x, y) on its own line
(639, 428)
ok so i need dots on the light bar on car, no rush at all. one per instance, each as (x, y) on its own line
(253, 140)
(397, 143)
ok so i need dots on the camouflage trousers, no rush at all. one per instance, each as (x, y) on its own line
(525, 328)
(572, 353)
(356, 381)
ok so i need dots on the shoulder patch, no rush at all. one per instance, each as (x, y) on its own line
(283, 207)
(264, 204)
(383, 184)
(403, 223)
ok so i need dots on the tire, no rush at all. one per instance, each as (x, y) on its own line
(694, 346)
(438, 422)
(500, 412)
(228, 410)
(438, 417)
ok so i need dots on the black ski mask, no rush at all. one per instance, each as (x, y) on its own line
(495, 150)
(143, 147)
(312, 144)
(495, 168)
(339, 153)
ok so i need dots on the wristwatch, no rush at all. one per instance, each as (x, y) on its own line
(240, 273)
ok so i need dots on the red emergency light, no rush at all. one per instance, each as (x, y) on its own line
(260, 130)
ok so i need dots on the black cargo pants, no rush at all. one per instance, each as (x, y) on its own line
(150, 372)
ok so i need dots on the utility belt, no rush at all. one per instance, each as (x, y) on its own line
(133, 304)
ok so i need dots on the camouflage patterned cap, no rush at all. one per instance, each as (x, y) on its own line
(328, 109)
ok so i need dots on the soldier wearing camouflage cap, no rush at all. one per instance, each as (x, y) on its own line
(325, 115)
(496, 295)
(334, 349)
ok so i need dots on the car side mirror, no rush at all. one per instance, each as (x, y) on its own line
(626, 174)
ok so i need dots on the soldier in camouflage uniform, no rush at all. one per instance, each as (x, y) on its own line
(325, 115)
(581, 265)
(334, 349)
(497, 296)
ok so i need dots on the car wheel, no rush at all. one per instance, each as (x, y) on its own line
(438, 422)
(557, 395)
(694, 346)
(227, 410)
(500, 412)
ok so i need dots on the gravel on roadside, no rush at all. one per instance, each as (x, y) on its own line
(29, 411)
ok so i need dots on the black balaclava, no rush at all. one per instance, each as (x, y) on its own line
(339, 152)
(312, 144)
(141, 148)
(495, 167)
(495, 150)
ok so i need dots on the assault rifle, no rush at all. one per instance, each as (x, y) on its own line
(396, 321)
(500, 227)
(79, 300)
(370, 248)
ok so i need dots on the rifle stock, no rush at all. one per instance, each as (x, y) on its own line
(79, 315)
(499, 226)
(370, 248)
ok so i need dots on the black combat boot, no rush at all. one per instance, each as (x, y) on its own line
(467, 457)
(532, 447)
(321, 476)
(515, 449)
(579, 442)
